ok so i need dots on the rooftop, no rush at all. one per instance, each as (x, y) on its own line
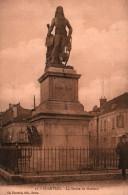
(117, 103)
(120, 102)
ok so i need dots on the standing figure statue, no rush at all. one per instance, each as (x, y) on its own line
(58, 46)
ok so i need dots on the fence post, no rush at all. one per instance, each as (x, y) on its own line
(80, 160)
(105, 151)
(16, 171)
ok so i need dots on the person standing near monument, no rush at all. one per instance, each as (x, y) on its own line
(122, 151)
(61, 38)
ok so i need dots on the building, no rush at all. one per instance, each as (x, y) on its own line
(110, 122)
(13, 125)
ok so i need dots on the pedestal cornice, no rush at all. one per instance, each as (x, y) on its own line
(59, 72)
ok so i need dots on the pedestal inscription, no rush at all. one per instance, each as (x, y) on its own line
(64, 89)
(59, 86)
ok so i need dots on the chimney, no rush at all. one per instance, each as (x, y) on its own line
(102, 102)
(10, 105)
(95, 108)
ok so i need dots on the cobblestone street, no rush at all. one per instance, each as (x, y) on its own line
(111, 187)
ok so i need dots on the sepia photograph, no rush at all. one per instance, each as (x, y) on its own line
(63, 97)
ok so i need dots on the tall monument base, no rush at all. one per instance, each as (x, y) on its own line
(60, 118)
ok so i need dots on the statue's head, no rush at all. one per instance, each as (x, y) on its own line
(59, 11)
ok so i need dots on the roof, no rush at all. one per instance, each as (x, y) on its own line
(15, 113)
(120, 102)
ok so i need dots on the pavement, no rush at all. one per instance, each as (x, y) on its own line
(103, 187)
(88, 184)
(58, 177)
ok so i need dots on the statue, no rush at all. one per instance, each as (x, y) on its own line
(58, 45)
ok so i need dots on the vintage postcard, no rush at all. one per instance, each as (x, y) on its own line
(63, 97)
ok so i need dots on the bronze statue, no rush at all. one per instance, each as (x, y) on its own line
(58, 46)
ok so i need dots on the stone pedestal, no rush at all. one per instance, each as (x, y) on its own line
(59, 90)
(60, 118)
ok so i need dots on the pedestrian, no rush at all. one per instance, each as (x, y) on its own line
(122, 151)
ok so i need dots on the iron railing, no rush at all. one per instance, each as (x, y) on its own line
(37, 159)
(9, 158)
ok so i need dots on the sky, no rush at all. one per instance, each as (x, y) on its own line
(99, 48)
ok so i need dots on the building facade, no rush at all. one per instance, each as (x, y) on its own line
(13, 125)
(110, 123)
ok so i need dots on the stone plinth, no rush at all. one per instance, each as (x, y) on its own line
(59, 91)
(60, 118)
(59, 86)
(62, 130)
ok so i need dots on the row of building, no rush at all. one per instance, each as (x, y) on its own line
(109, 122)
(13, 123)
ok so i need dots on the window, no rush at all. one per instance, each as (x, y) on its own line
(101, 125)
(113, 141)
(105, 125)
(101, 141)
(6, 136)
(104, 143)
(120, 121)
(91, 126)
(26, 137)
(113, 123)
(22, 136)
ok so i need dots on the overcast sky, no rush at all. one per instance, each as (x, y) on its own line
(99, 49)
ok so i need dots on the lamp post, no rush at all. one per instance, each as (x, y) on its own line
(97, 130)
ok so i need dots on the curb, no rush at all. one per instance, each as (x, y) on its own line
(10, 178)
(70, 178)
(20, 179)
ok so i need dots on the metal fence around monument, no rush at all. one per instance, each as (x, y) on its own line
(46, 160)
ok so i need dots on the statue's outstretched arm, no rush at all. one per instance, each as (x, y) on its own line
(51, 26)
(70, 28)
